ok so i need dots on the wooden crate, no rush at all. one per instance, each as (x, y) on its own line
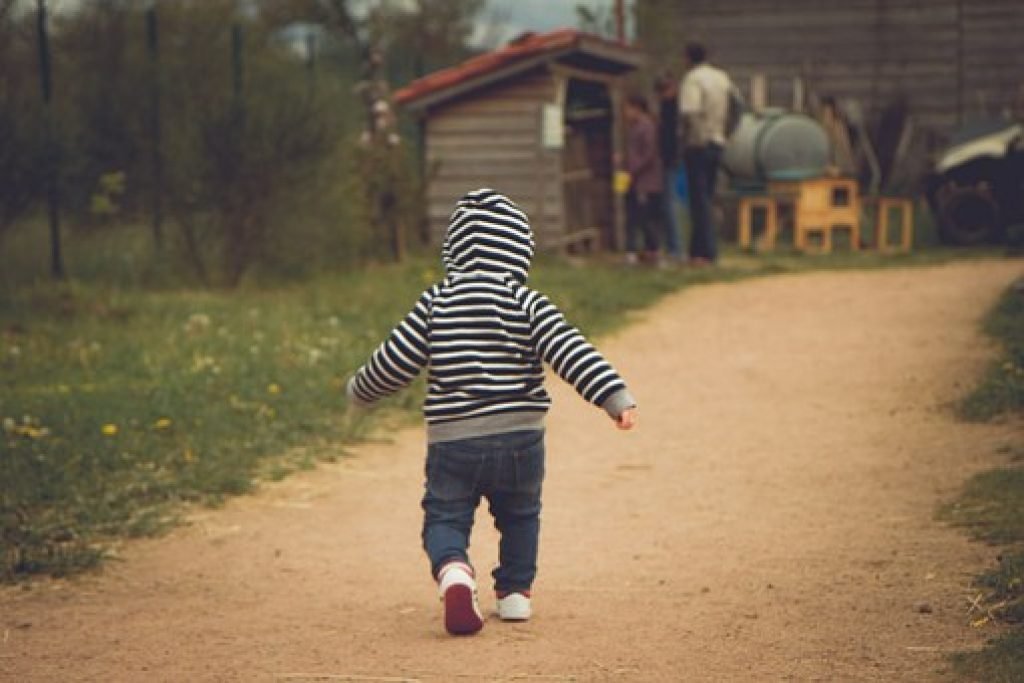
(821, 208)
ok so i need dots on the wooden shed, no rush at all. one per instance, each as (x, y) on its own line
(538, 120)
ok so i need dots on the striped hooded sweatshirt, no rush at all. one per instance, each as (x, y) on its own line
(482, 335)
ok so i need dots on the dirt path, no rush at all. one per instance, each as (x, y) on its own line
(771, 520)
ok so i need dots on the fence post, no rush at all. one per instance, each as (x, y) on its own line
(52, 188)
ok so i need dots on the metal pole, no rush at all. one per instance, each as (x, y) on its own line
(620, 21)
(959, 77)
(236, 61)
(311, 48)
(52, 188)
(153, 47)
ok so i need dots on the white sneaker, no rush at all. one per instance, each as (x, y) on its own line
(514, 607)
(458, 593)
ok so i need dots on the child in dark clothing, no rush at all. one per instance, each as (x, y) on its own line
(483, 334)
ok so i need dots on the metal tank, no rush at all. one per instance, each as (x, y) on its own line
(776, 145)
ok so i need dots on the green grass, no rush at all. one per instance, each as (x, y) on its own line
(120, 402)
(117, 406)
(1002, 389)
(991, 505)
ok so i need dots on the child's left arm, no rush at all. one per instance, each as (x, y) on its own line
(397, 361)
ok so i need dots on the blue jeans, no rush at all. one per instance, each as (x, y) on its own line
(673, 232)
(701, 174)
(507, 470)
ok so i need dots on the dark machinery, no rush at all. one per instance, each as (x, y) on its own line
(976, 191)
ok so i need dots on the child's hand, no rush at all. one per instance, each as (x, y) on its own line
(627, 419)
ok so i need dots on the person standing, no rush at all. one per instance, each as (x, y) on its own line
(643, 200)
(704, 107)
(668, 147)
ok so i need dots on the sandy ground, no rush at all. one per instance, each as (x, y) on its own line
(772, 519)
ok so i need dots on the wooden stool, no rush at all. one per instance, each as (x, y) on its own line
(906, 208)
(746, 221)
(825, 206)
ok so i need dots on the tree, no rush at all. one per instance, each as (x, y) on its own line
(599, 21)
(21, 135)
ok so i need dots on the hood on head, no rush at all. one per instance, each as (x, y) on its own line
(488, 233)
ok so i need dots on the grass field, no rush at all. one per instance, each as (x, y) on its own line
(991, 505)
(121, 399)
(1002, 389)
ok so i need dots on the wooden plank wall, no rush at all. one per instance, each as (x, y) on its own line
(951, 59)
(491, 138)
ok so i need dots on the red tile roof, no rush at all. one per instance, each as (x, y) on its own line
(531, 45)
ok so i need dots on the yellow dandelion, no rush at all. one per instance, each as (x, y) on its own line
(31, 431)
(162, 423)
(274, 389)
(109, 430)
(190, 455)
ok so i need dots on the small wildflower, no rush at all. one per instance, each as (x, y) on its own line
(14, 351)
(190, 455)
(273, 389)
(162, 423)
(9, 424)
(109, 430)
(35, 432)
(202, 363)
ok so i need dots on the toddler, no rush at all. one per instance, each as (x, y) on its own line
(482, 335)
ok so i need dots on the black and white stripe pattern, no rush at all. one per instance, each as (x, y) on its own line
(482, 333)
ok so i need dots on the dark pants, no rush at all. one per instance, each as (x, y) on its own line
(644, 217)
(507, 470)
(701, 174)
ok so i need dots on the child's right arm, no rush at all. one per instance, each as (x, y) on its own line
(397, 361)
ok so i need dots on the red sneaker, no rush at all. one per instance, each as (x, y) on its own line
(457, 586)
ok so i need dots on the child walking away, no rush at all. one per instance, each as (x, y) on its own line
(482, 335)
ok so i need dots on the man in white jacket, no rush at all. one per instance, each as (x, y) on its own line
(704, 110)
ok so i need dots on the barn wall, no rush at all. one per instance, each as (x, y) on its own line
(491, 138)
(951, 59)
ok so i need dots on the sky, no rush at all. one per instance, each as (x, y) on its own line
(498, 22)
(502, 20)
